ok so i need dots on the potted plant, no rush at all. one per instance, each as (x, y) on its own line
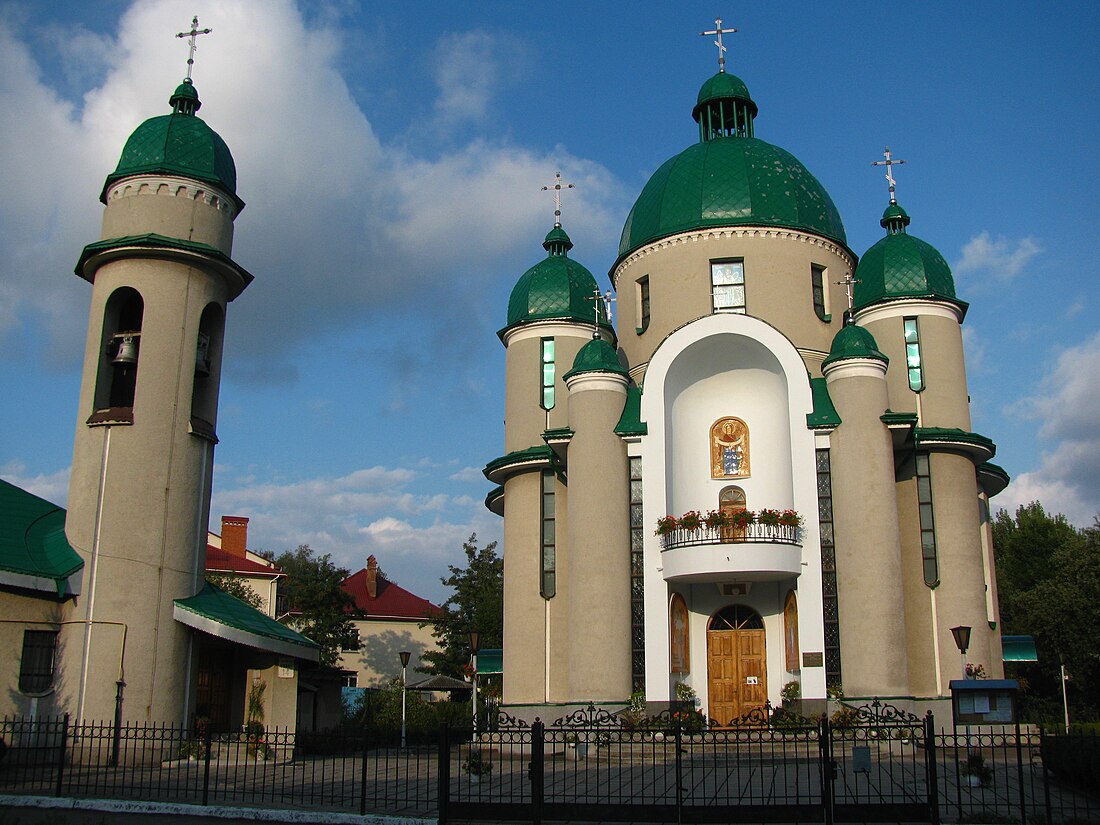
(791, 693)
(477, 765)
(790, 518)
(742, 518)
(769, 518)
(974, 770)
(716, 519)
(974, 671)
(666, 525)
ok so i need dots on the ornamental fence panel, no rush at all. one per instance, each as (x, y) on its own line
(869, 764)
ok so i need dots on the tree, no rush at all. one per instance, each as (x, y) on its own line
(1048, 576)
(237, 588)
(319, 606)
(476, 603)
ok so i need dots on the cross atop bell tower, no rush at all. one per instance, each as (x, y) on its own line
(718, 30)
(556, 189)
(194, 33)
(889, 163)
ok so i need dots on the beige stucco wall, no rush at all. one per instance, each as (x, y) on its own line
(170, 206)
(868, 550)
(376, 662)
(777, 285)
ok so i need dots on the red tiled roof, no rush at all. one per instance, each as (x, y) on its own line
(218, 559)
(392, 601)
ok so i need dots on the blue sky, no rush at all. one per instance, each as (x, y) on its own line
(391, 156)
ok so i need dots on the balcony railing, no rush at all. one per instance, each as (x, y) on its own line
(754, 533)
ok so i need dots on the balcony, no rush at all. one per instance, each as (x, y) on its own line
(755, 552)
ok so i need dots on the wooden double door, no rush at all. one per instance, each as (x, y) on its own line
(736, 664)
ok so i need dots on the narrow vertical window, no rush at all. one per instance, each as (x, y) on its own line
(830, 603)
(643, 304)
(637, 584)
(817, 286)
(548, 586)
(927, 521)
(548, 373)
(727, 280)
(912, 355)
(36, 665)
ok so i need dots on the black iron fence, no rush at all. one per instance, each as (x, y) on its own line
(872, 764)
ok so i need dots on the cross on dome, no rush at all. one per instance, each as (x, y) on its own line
(607, 298)
(849, 281)
(889, 163)
(556, 189)
(195, 32)
(718, 30)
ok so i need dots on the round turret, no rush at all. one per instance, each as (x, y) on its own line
(596, 356)
(901, 266)
(853, 342)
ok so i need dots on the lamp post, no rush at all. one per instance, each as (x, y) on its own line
(404, 655)
(961, 635)
(475, 644)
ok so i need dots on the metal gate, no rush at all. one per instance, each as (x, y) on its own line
(875, 764)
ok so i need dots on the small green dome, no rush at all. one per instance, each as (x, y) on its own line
(902, 266)
(853, 342)
(730, 181)
(557, 287)
(722, 86)
(178, 144)
(596, 356)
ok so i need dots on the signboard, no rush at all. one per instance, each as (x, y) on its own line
(984, 701)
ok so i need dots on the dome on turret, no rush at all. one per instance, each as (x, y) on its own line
(596, 356)
(556, 288)
(729, 178)
(180, 143)
(902, 266)
(853, 342)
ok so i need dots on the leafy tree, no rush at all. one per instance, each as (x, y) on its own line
(1048, 576)
(319, 606)
(237, 588)
(476, 603)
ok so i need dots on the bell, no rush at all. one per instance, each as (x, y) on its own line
(127, 354)
(202, 355)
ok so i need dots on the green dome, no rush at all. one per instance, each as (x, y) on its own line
(730, 181)
(596, 356)
(722, 86)
(901, 266)
(557, 287)
(178, 144)
(853, 342)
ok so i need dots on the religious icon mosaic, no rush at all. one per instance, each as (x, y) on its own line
(729, 448)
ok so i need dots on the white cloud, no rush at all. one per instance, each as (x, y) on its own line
(1068, 478)
(54, 487)
(469, 74)
(1002, 258)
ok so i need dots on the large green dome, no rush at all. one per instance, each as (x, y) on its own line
(902, 266)
(729, 178)
(556, 288)
(178, 144)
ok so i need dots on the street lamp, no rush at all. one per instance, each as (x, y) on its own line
(405, 655)
(475, 645)
(961, 635)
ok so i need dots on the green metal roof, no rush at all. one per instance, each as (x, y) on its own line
(1018, 649)
(853, 342)
(215, 612)
(180, 143)
(557, 287)
(34, 553)
(902, 266)
(979, 447)
(538, 456)
(630, 422)
(824, 415)
(993, 478)
(596, 356)
(490, 660)
(722, 86)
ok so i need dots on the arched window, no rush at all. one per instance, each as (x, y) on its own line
(731, 500)
(204, 392)
(116, 378)
(736, 617)
(790, 631)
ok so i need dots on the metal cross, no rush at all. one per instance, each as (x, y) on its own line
(195, 32)
(608, 299)
(888, 163)
(849, 283)
(718, 30)
(556, 189)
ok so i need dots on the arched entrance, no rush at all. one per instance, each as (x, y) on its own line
(732, 500)
(736, 663)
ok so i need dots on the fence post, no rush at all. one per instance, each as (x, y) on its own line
(537, 773)
(679, 767)
(1020, 773)
(206, 766)
(1043, 761)
(61, 754)
(443, 790)
(828, 767)
(932, 773)
(363, 776)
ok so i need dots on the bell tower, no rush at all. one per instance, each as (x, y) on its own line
(139, 495)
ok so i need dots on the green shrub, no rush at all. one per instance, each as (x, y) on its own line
(1073, 758)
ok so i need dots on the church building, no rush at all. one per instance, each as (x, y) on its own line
(763, 472)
